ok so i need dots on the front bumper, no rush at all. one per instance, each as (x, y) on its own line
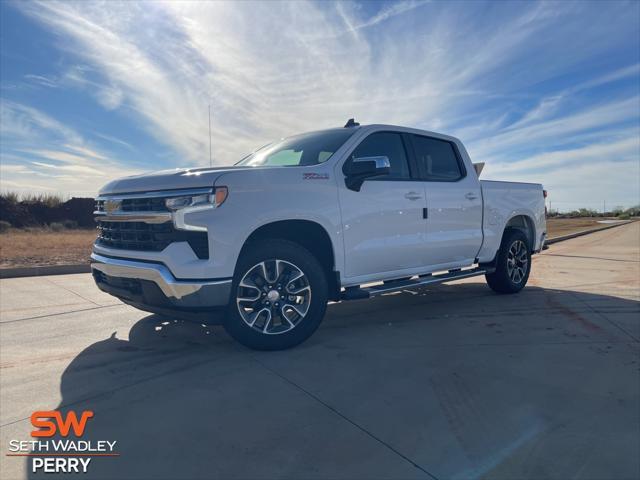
(151, 285)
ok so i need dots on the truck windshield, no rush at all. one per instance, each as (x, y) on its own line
(299, 150)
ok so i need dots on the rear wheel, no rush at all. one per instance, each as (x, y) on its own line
(279, 297)
(513, 263)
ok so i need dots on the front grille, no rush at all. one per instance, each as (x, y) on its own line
(151, 204)
(144, 205)
(149, 237)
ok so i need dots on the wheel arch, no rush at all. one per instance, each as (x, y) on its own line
(308, 234)
(524, 223)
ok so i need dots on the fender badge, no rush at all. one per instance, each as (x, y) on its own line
(315, 176)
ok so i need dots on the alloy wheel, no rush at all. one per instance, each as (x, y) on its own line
(273, 296)
(517, 261)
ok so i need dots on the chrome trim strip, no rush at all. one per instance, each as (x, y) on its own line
(177, 216)
(158, 217)
(155, 194)
(381, 161)
(189, 293)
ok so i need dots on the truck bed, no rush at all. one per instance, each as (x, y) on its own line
(505, 200)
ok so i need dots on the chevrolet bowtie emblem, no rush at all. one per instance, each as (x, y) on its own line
(111, 206)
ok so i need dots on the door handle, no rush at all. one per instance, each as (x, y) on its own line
(412, 196)
(470, 196)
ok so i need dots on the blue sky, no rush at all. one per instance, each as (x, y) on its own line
(544, 92)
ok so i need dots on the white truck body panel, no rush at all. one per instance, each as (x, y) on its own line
(507, 200)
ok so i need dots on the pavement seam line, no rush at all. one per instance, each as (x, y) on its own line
(63, 313)
(344, 417)
(70, 291)
(591, 258)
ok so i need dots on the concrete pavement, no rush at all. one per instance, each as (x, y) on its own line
(453, 381)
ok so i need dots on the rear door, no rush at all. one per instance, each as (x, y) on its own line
(454, 203)
(383, 223)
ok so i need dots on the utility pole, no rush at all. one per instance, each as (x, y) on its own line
(604, 208)
(210, 156)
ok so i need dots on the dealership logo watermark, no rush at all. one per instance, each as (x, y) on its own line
(61, 455)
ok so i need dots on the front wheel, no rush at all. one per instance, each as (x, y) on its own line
(279, 296)
(513, 263)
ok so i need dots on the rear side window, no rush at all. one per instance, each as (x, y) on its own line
(389, 145)
(437, 159)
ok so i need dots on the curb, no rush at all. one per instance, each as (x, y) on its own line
(562, 238)
(45, 270)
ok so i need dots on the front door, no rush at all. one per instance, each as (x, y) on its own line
(383, 225)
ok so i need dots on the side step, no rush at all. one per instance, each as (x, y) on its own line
(358, 293)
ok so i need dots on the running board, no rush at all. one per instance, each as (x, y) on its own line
(358, 293)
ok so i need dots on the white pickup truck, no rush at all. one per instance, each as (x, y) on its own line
(339, 214)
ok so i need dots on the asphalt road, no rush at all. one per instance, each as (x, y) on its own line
(451, 382)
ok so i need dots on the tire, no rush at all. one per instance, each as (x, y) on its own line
(276, 312)
(513, 263)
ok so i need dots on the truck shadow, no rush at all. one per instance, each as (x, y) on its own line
(182, 400)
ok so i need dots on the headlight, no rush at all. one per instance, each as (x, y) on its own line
(211, 200)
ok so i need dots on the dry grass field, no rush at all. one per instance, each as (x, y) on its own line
(557, 227)
(22, 248)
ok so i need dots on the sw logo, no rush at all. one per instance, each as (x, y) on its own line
(48, 428)
(64, 455)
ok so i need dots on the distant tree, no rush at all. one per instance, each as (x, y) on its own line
(633, 211)
(587, 212)
(617, 210)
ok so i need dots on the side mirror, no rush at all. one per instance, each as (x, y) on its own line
(359, 169)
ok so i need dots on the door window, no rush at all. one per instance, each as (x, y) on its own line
(437, 159)
(387, 144)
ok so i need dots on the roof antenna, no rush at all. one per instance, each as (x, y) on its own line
(351, 123)
(210, 157)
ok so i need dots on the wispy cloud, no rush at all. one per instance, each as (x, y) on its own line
(512, 79)
(611, 151)
(558, 129)
(112, 139)
(311, 76)
(346, 12)
(21, 122)
(42, 80)
(67, 164)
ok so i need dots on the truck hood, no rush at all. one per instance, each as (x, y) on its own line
(178, 178)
